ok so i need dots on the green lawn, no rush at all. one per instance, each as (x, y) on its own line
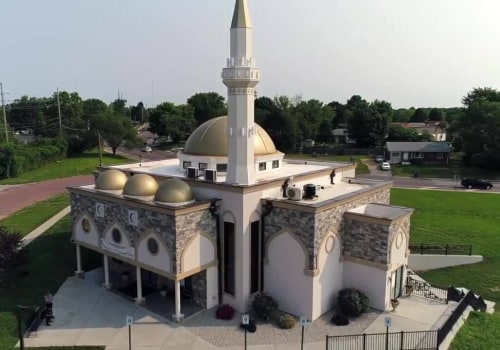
(79, 165)
(361, 168)
(455, 167)
(50, 259)
(462, 218)
(33, 216)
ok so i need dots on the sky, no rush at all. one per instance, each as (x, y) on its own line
(412, 53)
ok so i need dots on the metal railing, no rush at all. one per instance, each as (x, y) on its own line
(477, 303)
(426, 290)
(441, 249)
(421, 340)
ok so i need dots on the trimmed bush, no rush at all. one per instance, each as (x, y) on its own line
(287, 322)
(353, 302)
(10, 244)
(225, 312)
(264, 305)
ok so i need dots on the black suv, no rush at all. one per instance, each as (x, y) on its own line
(476, 183)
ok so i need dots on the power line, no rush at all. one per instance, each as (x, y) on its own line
(4, 115)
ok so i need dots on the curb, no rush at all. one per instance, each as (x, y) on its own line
(30, 237)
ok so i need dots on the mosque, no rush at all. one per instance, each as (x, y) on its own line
(231, 216)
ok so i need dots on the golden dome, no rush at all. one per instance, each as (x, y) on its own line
(140, 185)
(174, 191)
(210, 139)
(111, 180)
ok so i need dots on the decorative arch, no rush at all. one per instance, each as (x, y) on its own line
(255, 216)
(79, 234)
(403, 228)
(338, 241)
(294, 236)
(199, 251)
(124, 248)
(228, 216)
(162, 260)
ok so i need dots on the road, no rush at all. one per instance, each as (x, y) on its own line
(423, 183)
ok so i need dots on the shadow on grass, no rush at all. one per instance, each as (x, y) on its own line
(47, 262)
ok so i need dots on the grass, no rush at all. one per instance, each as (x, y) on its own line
(82, 164)
(49, 260)
(33, 216)
(436, 171)
(462, 218)
(361, 168)
(71, 348)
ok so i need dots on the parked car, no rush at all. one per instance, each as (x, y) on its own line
(476, 183)
(379, 158)
(385, 166)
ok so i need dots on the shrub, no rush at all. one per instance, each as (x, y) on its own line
(287, 322)
(10, 244)
(353, 302)
(250, 327)
(224, 312)
(264, 305)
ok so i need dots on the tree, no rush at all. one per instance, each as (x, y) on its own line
(118, 107)
(167, 119)
(436, 115)
(402, 115)
(478, 131)
(368, 126)
(115, 129)
(480, 95)
(139, 113)
(92, 107)
(207, 105)
(419, 116)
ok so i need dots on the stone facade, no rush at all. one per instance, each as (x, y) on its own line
(371, 241)
(199, 285)
(311, 228)
(176, 231)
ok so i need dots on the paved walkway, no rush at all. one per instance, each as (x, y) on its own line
(16, 197)
(87, 314)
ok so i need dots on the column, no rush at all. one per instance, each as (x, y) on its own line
(177, 316)
(138, 278)
(106, 284)
(79, 272)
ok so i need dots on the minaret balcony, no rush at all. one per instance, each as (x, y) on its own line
(241, 74)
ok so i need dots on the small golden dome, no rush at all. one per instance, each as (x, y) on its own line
(174, 191)
(140, 185)
(210, 139)
(111, 180)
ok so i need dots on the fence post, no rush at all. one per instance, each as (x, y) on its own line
(446, 252)
(364, 341)
(326, 342)
(402, 342)
(470, 250)
(421, 249)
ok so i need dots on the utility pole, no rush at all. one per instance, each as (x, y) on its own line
(59, 112)
(4, 115)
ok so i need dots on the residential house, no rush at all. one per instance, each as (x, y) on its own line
(437, 153)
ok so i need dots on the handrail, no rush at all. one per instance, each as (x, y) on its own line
(426, 290)
(440, 249)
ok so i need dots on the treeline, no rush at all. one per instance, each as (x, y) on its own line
(16, 159)
(473, 128)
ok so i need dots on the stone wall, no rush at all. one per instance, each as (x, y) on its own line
(176, 232)
(371, 241)
(311, 228)
(199, 284)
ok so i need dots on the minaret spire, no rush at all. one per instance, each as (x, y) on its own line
(241, 16)
(241, 76)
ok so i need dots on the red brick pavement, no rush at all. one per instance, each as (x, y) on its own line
(15, 198)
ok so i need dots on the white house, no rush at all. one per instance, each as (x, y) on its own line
(230, 217)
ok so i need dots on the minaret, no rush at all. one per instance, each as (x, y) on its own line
(241, 76)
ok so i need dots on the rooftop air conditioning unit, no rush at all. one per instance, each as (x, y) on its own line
(294, 193)
(211, 175)
(192, 173)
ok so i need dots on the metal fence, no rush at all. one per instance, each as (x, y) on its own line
(422, 340)
(426, 290)
(440, 249)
